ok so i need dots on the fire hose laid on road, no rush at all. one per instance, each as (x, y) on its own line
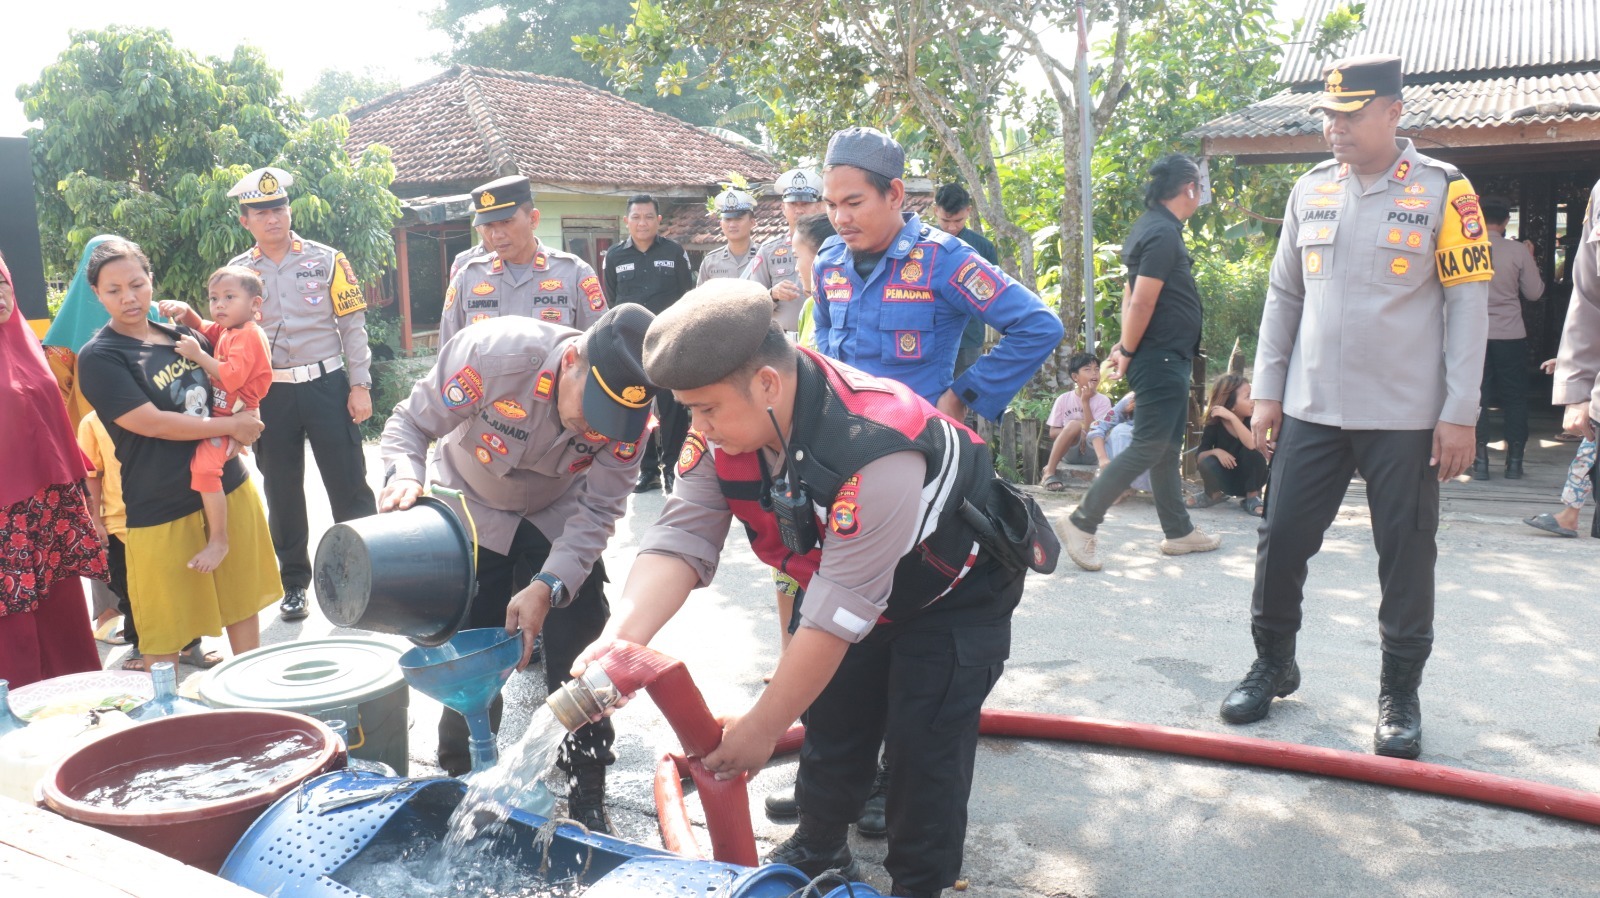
(629, 668)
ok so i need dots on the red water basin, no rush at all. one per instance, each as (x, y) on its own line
(195, 829)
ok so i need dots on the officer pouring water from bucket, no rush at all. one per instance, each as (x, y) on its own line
(538, 429)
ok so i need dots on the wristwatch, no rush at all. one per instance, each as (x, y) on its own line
(559, 597)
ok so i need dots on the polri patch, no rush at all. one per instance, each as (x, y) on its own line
(694, 449)
(463, 388)
(625, 451)
(449, 297)
(1471, 216)
(592, 291)
(844, 519)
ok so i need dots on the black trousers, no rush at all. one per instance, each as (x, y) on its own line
(916, 689)
(293, 413)
(1505, 375)
(1161, 378)
(117, 561)
(1247, 476)
(567, 631)
(667, 441)
(1310, 472)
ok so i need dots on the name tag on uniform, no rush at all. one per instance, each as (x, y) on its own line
(626, 266)
(666, 263)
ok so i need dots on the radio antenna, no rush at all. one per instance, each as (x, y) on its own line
(784, 445)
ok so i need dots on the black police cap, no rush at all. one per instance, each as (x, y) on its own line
(616, 398)
(1350, 84)
(498, 200)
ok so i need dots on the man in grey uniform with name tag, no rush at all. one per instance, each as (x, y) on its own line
(736, 215)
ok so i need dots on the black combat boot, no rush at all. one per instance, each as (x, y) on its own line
(1514, 461)
(1399, 732)
(586, 798)
(1272, 675)
(874, 822)
(781, 804)
(816, 848)
(1480, 464)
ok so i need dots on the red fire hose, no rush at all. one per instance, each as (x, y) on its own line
(728, 809)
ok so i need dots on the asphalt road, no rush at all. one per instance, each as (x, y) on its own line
(1159, 640)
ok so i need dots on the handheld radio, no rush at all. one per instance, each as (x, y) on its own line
(797, 523)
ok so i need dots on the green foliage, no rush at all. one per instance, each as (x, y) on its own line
(1343, 23)
(143, 139)
(338, 91)
(540, 36)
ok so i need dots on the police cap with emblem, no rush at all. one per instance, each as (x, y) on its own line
(868, 149)
(733, 203)
(498, 200)
(616, 398)
(263, 188)
(708, 334)
(799, 185)
(1350, 84)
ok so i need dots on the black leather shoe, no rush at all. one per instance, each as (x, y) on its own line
(1273, 674)
(781, 804)
(815, 848)
(1399, 731)
(293, 606)
(874, 823)
(1514, 453)
(649, 480)
(586, 798)
(1480, 463)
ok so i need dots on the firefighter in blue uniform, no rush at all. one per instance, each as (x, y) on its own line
(895, 294)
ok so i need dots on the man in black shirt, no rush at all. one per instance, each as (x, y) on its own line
(952, 208)
(1160, 336)
(654, 272)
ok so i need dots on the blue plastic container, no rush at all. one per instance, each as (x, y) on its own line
(311, 842)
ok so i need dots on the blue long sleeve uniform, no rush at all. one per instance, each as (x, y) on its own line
(905, 321)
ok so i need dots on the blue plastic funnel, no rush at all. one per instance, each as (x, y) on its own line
(465, 674)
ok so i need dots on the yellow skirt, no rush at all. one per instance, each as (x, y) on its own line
(173, 604)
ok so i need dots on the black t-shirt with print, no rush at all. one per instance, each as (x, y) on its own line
(119, 374)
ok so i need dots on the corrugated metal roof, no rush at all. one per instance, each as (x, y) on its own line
(1452, 104)
(1444, 37)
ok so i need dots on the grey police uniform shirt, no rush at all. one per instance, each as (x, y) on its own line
(1359, 331)
(1516, 279)
(722, 263)
(857, 572)
(773, 264)
(490, 402)
(312, 309)
(556, 288)
(1577, 375)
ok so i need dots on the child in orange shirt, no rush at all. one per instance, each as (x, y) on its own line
(240, 372)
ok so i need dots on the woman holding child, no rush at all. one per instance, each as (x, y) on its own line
(153, 400)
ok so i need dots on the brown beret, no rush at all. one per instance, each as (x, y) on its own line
(707, 335)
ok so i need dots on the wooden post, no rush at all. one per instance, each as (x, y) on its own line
(405, 287)
(1197, 415)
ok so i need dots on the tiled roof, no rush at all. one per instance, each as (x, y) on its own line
(1443, 38)
(1449, 105)
(470, 125)
(691, 225)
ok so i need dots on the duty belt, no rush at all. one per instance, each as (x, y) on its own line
(300, 374)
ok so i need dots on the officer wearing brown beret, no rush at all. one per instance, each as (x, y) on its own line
(783, 431)
(538, 426)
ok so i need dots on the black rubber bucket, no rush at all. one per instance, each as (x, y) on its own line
(404, 572)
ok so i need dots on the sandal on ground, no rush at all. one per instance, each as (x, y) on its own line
(1548, 523)
(135, 662)
(1204, 500)
(110, 632)
(195, 655)
(1054, 483)
(1253, 506)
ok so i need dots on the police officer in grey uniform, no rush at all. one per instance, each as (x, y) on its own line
(908, 647)
(1577, 374)
(538, 426)
(774, 264)
(314, 316)
(736, 216)
(1369, 359)
(518, 274)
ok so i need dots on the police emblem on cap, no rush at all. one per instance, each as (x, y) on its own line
(634, 394)
(485, 200)
(1335, 82)
(268, 183)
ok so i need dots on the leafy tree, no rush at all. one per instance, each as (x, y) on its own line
(537, 36)
(339, 91)
(140, 138)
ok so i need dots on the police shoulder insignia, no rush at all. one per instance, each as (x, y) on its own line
(591, 290)
(463, 388)
(694, 448)
(449, 297)
(498, 265)
(545, 385)
(541, 261)
(1402, 171)
(1471, 215)
(625, 451)
(844, 519)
